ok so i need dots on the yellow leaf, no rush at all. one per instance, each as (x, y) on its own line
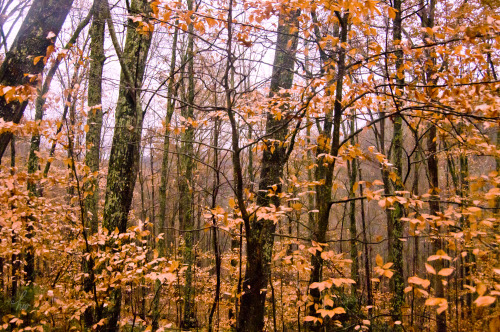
(430, 269)
(446, 272)
(86, 128)
(379, 260)
(387, 265)
(418, 281)
(481, 289)
(339, 310)
(37, 59)
(382, 203)
(393, 176)
(211, 22)
(439, 255)
(327, 301)
(433, 301)
(440, 302)
(313, 319)
(442, 308)
(392, 12)
(484, 301)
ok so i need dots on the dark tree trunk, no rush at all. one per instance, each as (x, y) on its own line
(260, 236)
(396, 229)
(44, 16)
(324, 171)
(433, 164)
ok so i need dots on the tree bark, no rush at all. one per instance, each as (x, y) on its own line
(260, 236)
(396, 229)
(186, 184)
(352, 216)
(433, 165)
(94, 119)
(168, 241)
(326, 166)
(44, 17)
(125, 149)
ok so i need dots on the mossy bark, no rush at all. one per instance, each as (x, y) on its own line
(396, 229)
(94, 119)
(125, 149)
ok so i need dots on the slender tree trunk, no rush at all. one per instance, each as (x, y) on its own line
(433, 167)
(94, 119)
(93, 137)
(260, 236)
(186, 185)
(215, 239)
(437, 244)
(167, 242)
(326, 166)
(15, 257)
(352, 217)
(125, 149)
(396, 248)
(366, 252)
(168, 239)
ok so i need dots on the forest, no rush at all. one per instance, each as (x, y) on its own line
(250, 165)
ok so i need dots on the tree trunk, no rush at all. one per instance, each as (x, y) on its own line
(260, 236)
(94, 120)
(44, 17)
(215, 231)
(396, 229)
(125, 149)
(186, 211)
(168, 241)
(352, 217)
(326, 166)
(432, 165)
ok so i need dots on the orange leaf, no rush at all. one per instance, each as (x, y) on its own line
(484, 301)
